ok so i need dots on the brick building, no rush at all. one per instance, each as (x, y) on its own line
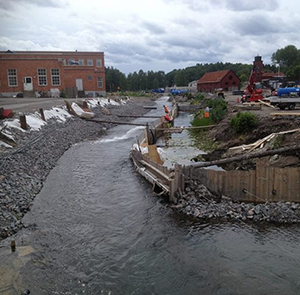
(227, 80)
(33, 72)
(260, 74)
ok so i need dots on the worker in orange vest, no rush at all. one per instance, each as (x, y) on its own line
(169, 119)
(166, 109)
(206, 114)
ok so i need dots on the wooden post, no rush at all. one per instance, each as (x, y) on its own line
(13, 245)
(23, 122)
(42, 115)
(148, 134)
(85, 104)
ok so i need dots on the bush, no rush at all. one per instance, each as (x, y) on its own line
(199, 120)
(63, 94)
(243, 122)
(198, 99)
(218, 110)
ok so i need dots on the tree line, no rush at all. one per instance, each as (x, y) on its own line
(286, 59)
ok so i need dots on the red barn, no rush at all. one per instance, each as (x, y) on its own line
(227, 80)
(33, 72)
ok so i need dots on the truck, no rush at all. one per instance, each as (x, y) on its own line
(177, 91)
(158, 90)
(288, 97)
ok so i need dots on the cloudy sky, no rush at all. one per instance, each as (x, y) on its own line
(154, 34)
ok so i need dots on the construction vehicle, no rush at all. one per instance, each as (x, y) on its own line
(254, 90)
(288, 97)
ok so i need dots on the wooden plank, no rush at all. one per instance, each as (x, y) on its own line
(285, 114)
(267, 104)
(149, 107)
(247, 156)
(294, 184)
(166, 177)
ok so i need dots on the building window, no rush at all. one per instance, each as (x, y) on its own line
(55, 77)
(90, 62)
(81, 62)
(89, 77)
(99, 63)
(42, 77)
(71, 62)
(230, 77)
(12, 77)
(100, 82)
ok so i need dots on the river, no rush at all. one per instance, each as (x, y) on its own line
(96, 228)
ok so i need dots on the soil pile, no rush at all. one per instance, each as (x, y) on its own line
(226, 138)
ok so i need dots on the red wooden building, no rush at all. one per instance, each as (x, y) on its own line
(33, 72)
(210, 82)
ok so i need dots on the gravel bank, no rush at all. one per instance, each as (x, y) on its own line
(198, 202)
(24, 169)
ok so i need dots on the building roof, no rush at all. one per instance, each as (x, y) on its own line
(213, 77)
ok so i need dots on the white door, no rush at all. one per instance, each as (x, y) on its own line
(79, 84)
(27, 81)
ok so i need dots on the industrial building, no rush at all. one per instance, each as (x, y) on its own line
(226, 80)
(48, 73)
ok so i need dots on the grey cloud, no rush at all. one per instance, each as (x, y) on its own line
(153, 28)
(194, 4)
(259, 25)
(246, 5)
(126, 49)
(11, 5)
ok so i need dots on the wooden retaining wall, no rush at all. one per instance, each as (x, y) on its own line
(266, 183)
(165, 178)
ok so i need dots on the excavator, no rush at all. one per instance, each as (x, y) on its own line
(254, 90)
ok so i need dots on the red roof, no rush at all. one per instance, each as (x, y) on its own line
(213, 77)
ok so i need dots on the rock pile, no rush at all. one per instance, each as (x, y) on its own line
(24, 168)
(198, 202)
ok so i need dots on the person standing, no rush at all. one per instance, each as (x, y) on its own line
(207, 110)
(166, 109)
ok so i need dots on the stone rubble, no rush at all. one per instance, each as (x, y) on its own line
(24, 168)
(198, 202)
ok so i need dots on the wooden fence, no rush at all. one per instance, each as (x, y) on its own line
(266, 183)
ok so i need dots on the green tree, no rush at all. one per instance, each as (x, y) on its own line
(286, 57)
(180, 79)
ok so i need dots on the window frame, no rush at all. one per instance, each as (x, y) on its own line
(15, 76)
(81, 61)
(55, 76)
(42, 75)
(90, 62)
(98, 80)
(71, 61)
(99, 60)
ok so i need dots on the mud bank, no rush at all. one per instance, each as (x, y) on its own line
(24, 168)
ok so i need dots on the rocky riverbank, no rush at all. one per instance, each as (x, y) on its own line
(198, 202)
(24, 168)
